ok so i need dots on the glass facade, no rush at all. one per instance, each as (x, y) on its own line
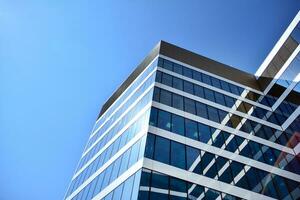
(181, 132)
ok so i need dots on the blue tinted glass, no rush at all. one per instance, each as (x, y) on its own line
(189, 106)
(149, 150)
(177, 185)
(177, 155)
(168, 65)
(165, 97)
(187, 72)
(118, 192)
(162, 150)
(153, 117)
(197, 76)
(191, 155)
(177, 101)
(191, 129)
(178, 124)
(188, 87)
(213, 114)
(167, 79)
(160, 181)
(199, 91)
(206, 79)
(128, 188)
(209, 94)
(177, 83)
(177, 68)
(164, 120)
(201, 110)
(204, 133)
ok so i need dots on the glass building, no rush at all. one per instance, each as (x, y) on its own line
(183, 126)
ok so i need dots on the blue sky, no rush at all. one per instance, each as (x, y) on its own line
(60, 61)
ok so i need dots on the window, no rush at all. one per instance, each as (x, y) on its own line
(177, 185)
(191, 129)
(177, 155)
(149, 149)
(220, 98)
(187, 72)
(188, 87)
(191, 155)
(229, 101)
(168, 65)
(209, 95)
(158, 76)
(153, 117)
(167, 79)
(164, 120)
(201, 110)
(213, 114)
(177, 68)
(159, 180)
(204, 133)
(165, 97)
(156, 94)
(197, 76)
(199, 91)
(177, 83)
(178, 124)
(215, 82)
(162, 148)
(189, 106)
(206, 79)
(177, 101)
(128, 188)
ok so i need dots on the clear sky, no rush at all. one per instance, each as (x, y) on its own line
(61, 59)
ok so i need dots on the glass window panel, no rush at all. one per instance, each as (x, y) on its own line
(188, 87)
(206, 79)
(167, 79)
(118, 192)
(165, 97)
(158, 76)
(209, 95)
(187, 72)
(159, 180)
(204, 133)
(236, 168)
(197, 76)
(124, 164)
(177, 155)
(191, 129)
(162, 150)
(229, 101)
(199, 91)
(177, 68)
(127, 190)
(145, 178)
(215, 82)
(191, 155)
(136, 184)
(226, 176)
(149, 150)
(153, 117)
(177, 83)
(177, 185)
(213, 114)
(189, 106)
(196, 192)
(220, 98)
(211, 194)
(177, 101)
(156, 94)
(201, 110)
(164, 120)
(178, 124)
(206, 159)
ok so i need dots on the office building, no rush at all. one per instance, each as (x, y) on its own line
(183, 126)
